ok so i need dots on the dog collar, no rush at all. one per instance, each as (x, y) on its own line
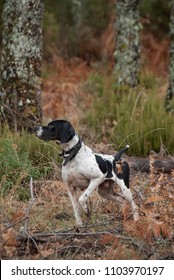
(72, 152)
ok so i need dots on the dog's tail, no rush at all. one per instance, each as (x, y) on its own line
(119, 153)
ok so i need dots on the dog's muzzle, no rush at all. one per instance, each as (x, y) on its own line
(38, 131)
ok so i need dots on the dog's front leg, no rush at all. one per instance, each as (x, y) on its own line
(75, 205)
(94, 183)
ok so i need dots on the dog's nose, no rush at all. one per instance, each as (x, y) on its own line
(36, 128)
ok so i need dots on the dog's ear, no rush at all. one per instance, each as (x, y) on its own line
(67, 132)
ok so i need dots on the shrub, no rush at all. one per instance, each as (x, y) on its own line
(130, 116)
(23, 156)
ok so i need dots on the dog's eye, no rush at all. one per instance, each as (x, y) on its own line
(51, 127)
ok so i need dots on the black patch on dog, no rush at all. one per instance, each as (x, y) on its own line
(65, 132)
(101, 164)
(109, 167)
(104, 165)
(124, 174)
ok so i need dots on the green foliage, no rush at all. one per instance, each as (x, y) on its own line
(1, 7)
(51, 28)
(96, 14)
(61, 18)
(130, 116)
(158, 12)
(23, 156)
(94, 17)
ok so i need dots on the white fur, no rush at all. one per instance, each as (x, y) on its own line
(39, 131)
(84, 173)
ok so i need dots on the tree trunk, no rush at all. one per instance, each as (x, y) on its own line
(127, 52)
(77, 12)
(21, 63)
(169, 102)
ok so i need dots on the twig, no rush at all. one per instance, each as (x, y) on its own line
(24, 230)
(10, 226)
(76, 234)
(29, 206)
(139, 193)
(32, 239)
(31, 188)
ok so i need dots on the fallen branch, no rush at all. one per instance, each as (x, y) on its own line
(62, 235)
(143, 165)
(52, 237)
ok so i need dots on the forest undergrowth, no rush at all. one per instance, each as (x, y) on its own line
(36, 218)
(37, 221)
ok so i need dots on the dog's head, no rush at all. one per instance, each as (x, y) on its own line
(59, 130)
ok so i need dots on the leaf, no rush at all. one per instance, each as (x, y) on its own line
(155, 198)
(156, 230)
(166, 231)
(9, 242)
(9, 238)
(108, 238)
(46, 253)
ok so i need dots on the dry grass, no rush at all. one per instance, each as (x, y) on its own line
(109, 234)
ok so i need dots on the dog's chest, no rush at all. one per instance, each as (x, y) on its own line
(79, 170)
(72, 176)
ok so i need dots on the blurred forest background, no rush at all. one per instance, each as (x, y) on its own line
(79, 84)
(79, 81)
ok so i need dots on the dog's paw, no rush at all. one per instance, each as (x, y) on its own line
(79, 223)
(136, 215)
(84, 206)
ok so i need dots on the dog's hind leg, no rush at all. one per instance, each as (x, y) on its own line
(128, 196)
(106, 191)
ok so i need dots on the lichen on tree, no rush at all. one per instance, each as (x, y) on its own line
(127, 53)
(21, 60)
(169, 101)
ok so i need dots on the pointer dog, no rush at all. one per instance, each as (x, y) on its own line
(86, 170)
